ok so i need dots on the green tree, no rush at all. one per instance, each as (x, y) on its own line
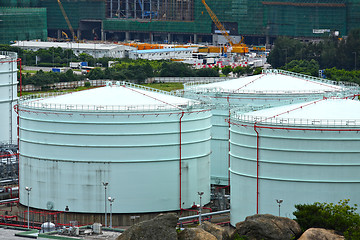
(96, 73)
(207, 72)
(239, 71)
(226, 70)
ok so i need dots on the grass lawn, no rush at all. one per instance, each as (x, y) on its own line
(48, 91)
(165, 86)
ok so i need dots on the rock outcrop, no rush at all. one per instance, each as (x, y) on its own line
(162, 227)
(195, 234)
(320, 234)
(219, 232)
(267, 227)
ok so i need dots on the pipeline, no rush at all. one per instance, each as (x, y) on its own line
(229, 144)
(20, 68)
(257, 169)
(180, 158)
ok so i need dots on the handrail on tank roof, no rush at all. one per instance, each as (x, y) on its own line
(34, 101)
(308, 77)
(8, 54)
(193, 86)
(295, 121)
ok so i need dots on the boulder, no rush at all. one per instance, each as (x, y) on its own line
(195, 234)
(320, 234)
(267, 227)
(162, 227)
(219, 232)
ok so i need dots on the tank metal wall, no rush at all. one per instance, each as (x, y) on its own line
(222, 104)
(297, 166)
(65, 157)
(8, 96)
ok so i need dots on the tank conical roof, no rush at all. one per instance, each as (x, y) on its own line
(324, 111)
(120, 95)
(271, 83)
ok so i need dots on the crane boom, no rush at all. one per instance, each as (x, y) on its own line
(67, 20)
(218, 23)
(236, 47)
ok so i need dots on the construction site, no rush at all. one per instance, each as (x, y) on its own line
(182, 21)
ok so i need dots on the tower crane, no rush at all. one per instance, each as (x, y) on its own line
(236, 47)
(67, 20)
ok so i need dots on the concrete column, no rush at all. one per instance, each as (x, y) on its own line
(169, 38)
(127, 36)
(102, 31)
(59, 34)
(111, 8)
(78, 34)
(127, 8)
(151, 37)
(195, 38)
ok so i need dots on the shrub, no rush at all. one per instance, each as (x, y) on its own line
(340, 217)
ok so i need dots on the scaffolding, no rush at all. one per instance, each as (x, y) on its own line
(305, 18)
(177, 10)
(22, 24)
(76, 10)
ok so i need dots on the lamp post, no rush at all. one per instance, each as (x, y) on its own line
(28, 189)
(105, 186)
(279, 201)
(111, 200)
(200, 195)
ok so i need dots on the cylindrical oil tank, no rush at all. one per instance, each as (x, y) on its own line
(299, 153)
(271, 88)
(151, 147)
(8, 96)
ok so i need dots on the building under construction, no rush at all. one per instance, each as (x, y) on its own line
(189, 21)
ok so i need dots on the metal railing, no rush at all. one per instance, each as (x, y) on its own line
(311, 78)
(8, 55)
(338, 85)
(204, 215)
(295, 121)
(34, 102)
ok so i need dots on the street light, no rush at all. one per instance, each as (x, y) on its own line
(200, 195)
(28, 189)
(279, 201)
(105, 185)
(111, 200)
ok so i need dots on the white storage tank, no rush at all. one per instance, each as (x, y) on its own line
(150, 146)
(8, 97)
(300, 153)
(271, 88)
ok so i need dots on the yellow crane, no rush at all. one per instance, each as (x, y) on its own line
(236, 47)
(67, 20)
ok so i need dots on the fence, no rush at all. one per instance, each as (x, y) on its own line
(185, 79)
(63, 85)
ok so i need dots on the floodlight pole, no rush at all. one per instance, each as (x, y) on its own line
(279, 201)
(111, 200)
(28, 189)
(105, 186)
(200, 195)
